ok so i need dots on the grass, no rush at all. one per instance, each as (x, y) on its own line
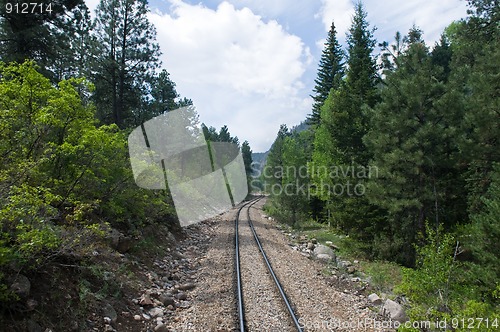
(384, 275)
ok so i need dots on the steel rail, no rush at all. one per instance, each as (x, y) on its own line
(271, 271)
(239, 288)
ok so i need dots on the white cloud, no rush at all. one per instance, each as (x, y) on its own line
(338, 11)
(238, 69)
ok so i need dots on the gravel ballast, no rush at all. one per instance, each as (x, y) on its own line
(319, 305)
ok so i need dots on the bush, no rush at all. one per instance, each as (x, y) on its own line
(441, 288)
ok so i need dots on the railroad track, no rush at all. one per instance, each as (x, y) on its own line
(294, 321)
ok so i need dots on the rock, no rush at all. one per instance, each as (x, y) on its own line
(145, 300)
(161, 328)
(21, 286)
(146, 317)
(356, 262)
(343, 264)
(166, 300)
(187, 286)
(181, 296)
(324, 257)
(108, 328)
(351, 269)
(120, 242)
(314, 241)
(109, 311)
(184, 304)
(328, 243)
(324, 250)
(137, 317)
(375, 299)
(334, 247)
(32, 326)
(310, 246)
(394, 311)
(156, 312)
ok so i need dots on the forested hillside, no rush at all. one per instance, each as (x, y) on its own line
(71, 90)
(402, 156)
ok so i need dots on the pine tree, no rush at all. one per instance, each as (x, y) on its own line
(246, 153)
(476, 57)
(210, 133)
(124, 60)
(274, 164)
(330, 74)
(338, 142)
(414, 143)
(43, 36)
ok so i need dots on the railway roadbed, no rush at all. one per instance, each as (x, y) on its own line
(319, 306)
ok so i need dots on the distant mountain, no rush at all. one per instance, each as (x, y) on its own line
(259, 158)
(259, 161)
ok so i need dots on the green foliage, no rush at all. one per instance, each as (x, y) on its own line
(439, 287)
(383, 275)
(413, 140)
(431, 280)
(330, 74)
(246, 153)
(125, 57)
(480, 239)
(64, 180)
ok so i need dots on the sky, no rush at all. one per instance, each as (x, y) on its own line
(251, 64)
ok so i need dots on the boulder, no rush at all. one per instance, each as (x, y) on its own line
(324, 257)
(375, 299)
(394, 311)
(324, 250)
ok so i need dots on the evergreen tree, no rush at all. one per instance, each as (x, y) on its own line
(124, 60)
(476, 55)
(413, 140)
(338, 142)
(75, 59)
(246, 153)
(441, 56)
(225, 136)
(43, 36)
(163, 93)
(330, 74)
(210, 133)
(274, 165)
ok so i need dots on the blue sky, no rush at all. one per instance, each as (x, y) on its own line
(251, 64)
